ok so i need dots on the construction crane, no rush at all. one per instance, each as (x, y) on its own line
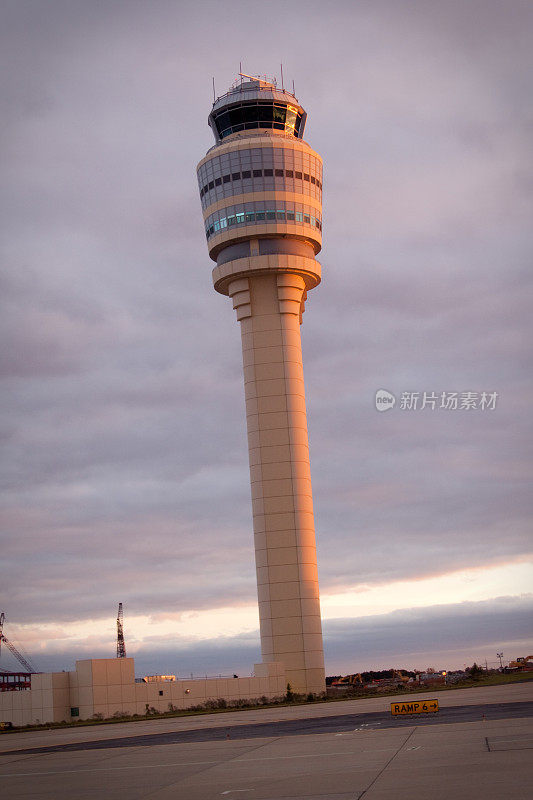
(28, 666)
(522, 663)
(397, 674)
(121, 646)
(349, 680)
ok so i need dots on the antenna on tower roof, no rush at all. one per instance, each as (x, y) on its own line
(282, 86)
(214, 95)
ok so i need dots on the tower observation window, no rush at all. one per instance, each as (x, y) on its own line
(262, 114)
(258, 173)
(251, 213)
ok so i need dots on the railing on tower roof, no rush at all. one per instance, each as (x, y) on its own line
(262, 83)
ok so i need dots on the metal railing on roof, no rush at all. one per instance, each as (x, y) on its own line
(240, 88)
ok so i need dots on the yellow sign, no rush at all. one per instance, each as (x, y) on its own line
(418, 707)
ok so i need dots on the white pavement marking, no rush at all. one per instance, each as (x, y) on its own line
(503, 740)
(238, 760)
(230, 791)
(105, 769)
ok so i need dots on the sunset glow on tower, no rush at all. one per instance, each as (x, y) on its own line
(261, 192)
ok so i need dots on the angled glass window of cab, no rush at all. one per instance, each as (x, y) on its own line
(261, 114)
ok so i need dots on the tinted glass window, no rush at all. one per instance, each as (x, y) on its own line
(251, 213)
(290, 121)
(236, 116)
(263, 114)
(279, 114)
(222, 121)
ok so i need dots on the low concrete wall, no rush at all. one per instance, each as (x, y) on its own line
(46, 701)
(107, 687)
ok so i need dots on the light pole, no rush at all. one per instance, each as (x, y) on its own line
(500, 656)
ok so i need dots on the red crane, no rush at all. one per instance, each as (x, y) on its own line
(28, 666)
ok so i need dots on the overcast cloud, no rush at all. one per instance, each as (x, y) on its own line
(125, 470)
(442, 636)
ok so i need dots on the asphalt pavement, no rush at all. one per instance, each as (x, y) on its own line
(351, 750)
(300, 727)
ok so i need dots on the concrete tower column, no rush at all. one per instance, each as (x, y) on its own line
(269, 309)
(261, 196)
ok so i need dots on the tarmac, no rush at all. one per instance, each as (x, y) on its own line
(349, 750)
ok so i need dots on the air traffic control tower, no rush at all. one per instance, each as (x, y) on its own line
(261, 192)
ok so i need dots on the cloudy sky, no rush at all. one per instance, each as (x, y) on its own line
(125, 473)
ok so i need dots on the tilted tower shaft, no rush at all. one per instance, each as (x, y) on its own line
(261, 194)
